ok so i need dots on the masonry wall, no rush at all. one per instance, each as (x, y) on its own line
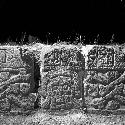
(70, 79)
(61, 87)
(104, 86)
(16, 78)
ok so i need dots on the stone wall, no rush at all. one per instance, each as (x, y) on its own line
(70, 79)
(61, 88)
(105, 82)
(15, 83)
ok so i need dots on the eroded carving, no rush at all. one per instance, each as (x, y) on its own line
(61, 87)
(108, 76)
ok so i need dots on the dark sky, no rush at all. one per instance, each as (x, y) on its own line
(90, 5)
(3, 4)
(50, 16)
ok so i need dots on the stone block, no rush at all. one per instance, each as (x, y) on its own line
(113, 105)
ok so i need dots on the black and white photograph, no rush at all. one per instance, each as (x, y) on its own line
(62, 63)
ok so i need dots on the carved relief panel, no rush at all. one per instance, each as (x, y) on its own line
(61, 88)
(105, 82)
(14, 79)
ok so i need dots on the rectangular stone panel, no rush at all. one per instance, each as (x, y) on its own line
(64, 80)
(104, 82)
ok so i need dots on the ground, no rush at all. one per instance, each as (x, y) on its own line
(73, 118)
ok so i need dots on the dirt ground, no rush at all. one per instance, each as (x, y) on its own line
(72, 118)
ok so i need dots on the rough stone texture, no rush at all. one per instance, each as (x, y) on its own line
(12, 73)
(61, 87)
(93, 90)
(106, 72)
(4, 104)
(124, 90)
(14, 88)
(24, 88)
(2, 56)
(4, 76)
(13, 58)
(113, 105)
(102, 90)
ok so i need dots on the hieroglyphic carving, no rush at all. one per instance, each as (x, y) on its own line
(13, 75)
(109, 78)
(61, 87)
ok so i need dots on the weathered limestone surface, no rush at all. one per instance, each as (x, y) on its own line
(61, 87)
(66, 82)
(113, 105)
(106, 75)
(14, 81)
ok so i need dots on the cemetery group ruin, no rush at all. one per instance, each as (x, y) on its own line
(61, 78)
